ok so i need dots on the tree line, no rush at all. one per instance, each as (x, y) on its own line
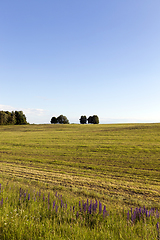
(12, 118)
(83, 120)
(19, 118)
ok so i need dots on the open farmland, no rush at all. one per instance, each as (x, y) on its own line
(117, 164)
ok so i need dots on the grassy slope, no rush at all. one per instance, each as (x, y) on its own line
(118, 164)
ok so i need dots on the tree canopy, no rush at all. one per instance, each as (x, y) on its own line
(12, 118)
(83, 120)
(93, 119)
(54, 120)
(61, 120)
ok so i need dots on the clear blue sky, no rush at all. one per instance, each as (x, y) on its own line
(81, 57)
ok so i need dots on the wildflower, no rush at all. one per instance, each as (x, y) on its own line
(90, 209)
(104, 211)
(84, 207)
(24, 196)
(100, 207)
(61, 203)
(53, 204)
(56, 208)
(28, 196)
(128, 215)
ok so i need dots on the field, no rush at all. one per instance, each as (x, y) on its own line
(119, 165)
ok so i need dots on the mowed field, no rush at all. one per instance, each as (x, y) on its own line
(117, 164)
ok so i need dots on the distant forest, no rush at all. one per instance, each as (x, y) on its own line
(19, 118)
(12, 118)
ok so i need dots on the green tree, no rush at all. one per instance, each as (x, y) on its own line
(10, 118)
(83, 120)
(93, 119)
(62, 120)
(3, 118)
(90, 119)
(54, 120)
(20, 118)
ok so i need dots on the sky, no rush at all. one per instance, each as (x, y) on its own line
(83, 57)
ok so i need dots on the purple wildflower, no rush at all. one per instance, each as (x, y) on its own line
(149, 213)
(61, 203)
(90, 209)
(80, 206)
(24, 196)
(54, 204)
(104, 211)
(28, 196)
(128, 215)
(100, 207)
(84, 207)
(94, 207)
(56, 208)
(132, 218)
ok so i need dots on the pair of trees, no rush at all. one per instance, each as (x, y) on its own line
(61, 119)
(92, 119)
(12, 118)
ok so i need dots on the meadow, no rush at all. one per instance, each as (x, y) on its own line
(80, 181)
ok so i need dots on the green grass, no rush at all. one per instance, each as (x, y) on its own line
(116, 164)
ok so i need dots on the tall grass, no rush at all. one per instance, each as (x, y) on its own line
(31, 214)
